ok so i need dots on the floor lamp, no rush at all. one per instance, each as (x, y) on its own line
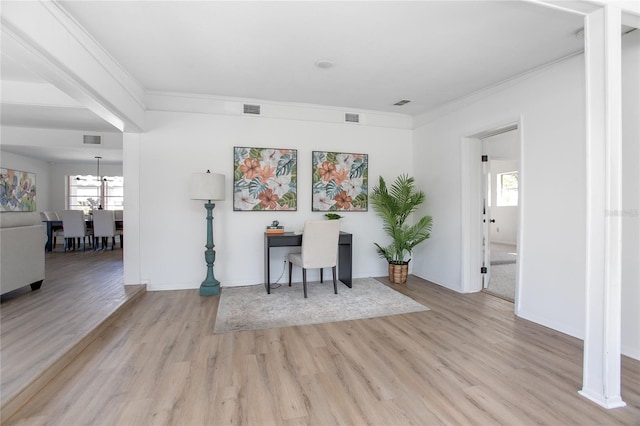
(210, 187)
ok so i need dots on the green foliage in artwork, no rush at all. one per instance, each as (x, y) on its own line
(256, 153)
(288, 200)
(258, 207)
(332, 157)
(237, 173)
(332, 189)
(318, 158)
(256, 187)
(316, 179)
(286, 164)
(239, 154)
(358, 168)
(361, 201)
(318, 187)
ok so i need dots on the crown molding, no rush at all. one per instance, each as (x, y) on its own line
(209, 104)
(445, 109)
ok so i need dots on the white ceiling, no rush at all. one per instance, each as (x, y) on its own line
(429, 52)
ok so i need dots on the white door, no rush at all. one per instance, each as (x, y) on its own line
(486, 217)
(500, 199)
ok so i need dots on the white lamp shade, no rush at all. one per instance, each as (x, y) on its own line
(206, 186)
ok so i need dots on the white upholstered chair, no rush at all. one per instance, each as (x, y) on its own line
(74, 226)
(319, 250)
(104, 227)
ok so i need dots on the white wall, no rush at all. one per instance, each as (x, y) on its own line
(40, 168)
(631, 195)
(551, 104)
(172, 228)
(552, 248)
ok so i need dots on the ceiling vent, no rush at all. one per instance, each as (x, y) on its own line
(251, 109)
(352, 118)
(402, 102)
(91, 139)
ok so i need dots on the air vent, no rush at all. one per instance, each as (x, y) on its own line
(352, 118)
(91, 139)
(251, 109)
(402, 102)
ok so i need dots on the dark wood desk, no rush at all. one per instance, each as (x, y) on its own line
(54, 225)
(290, 239)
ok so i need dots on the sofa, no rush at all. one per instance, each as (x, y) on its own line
(22, 240)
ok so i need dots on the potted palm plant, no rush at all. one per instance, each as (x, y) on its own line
(394, 205)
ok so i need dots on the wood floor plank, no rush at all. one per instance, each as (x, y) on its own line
(44, 330)
(467, 361)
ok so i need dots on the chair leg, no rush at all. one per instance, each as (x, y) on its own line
(304, 281)
(335, 283)
(321, 280)
(290, 270)
(113, 242)
(121, 239)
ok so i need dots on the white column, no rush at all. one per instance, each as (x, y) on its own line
(130, 169)
(601, 373)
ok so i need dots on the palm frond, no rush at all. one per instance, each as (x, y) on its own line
(395, 205)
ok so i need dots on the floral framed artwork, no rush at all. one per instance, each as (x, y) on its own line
(17, 191)
(340, 181)
(265, 179)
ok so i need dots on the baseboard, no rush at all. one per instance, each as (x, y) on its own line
(562, 328)
(13, 404)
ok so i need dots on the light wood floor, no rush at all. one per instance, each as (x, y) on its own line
(466, 361)
(40, 328)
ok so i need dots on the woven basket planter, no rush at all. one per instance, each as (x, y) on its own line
(398, 272)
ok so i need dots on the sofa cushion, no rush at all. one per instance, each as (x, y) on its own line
(16, 219)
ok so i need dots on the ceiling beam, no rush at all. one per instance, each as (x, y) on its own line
(47, 41)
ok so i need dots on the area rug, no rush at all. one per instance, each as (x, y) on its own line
(251, 308)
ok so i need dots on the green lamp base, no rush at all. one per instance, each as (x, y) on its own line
(206, 289)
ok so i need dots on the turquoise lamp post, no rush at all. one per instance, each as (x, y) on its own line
(210, 187)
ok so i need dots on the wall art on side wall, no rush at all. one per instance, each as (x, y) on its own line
(340, 181)
(17, 191)
(265, 179)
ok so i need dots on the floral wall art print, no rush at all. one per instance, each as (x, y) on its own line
(265, 179)
(17, 191)
(340, 181)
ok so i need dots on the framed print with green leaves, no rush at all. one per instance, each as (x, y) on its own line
(265, 179)
(340, 181)
(17, 191)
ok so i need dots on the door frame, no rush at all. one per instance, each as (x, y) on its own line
(471, 206)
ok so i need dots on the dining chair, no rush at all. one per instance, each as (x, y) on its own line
(56, 230)
(319, 250)
(74, 226)
(104, 227)
(119, 215)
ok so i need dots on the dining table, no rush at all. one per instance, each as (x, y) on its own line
(55, 225)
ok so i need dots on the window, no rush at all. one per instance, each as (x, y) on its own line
(507, 193)
(87, 193)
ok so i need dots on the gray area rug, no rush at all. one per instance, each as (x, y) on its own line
(251, 308)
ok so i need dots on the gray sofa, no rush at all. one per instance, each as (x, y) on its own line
(22, 239)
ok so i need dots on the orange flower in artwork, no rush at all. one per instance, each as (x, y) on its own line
(343, 200)
(268, 199)
(340, 175)
(250, 168)
(266, 173)
(326, 171)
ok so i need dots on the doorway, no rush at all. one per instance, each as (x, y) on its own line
(500, 211)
